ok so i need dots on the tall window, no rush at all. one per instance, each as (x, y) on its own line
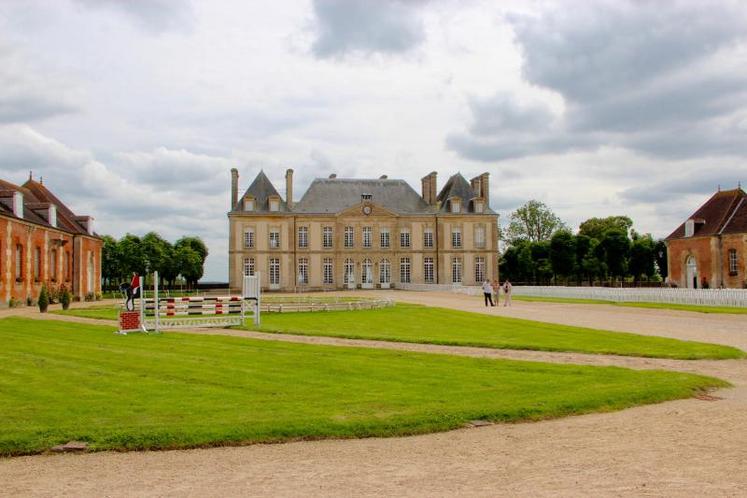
(404, 238)
(327, 237)
(274, 271)
(733, 268)
(68, 267)
(456, 238)
(53, 265)
(367, 272)
(349, 274)
(349, 233)
(367, 232)
(303, 237)
(428, 238)
(456, 270)
(385, 271)
(249, 238)
(274, 238)
(19, 262)
(37, 263)
(428, 270)
(479, 269)
(248, 267)
(328, 268)
(303, 271)
(384, 239)
(480, 236)
(404, 270)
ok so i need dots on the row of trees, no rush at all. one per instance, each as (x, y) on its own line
(542, 249)
(143, 255)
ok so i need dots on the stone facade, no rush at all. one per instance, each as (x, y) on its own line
(335, 237)
(34, 251)
(710, 248)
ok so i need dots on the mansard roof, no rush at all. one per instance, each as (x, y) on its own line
(262, 189)
(332, 195)
(36, 196)
(458, 186)
(724, 213)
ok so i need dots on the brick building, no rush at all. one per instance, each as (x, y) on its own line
(710, 247)
(43, 241)
(363, 233)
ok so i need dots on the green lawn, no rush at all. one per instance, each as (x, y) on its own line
(414, 323)
(100, 312)
(61, 381)
(664, 306)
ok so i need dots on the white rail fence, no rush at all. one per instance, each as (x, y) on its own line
(707, 297)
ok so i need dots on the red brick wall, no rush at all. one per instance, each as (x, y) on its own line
(739, 243)
(712, 256)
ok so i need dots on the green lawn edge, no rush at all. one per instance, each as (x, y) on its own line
(726, 310)
(204, 382)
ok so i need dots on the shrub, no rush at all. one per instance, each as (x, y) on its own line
(65, 297)
(43, 299)
(98, 296)
(29, 301)
(13, 303)
(89, 297)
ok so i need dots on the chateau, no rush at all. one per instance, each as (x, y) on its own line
(362, 233)
(710, 247)
(43, 241)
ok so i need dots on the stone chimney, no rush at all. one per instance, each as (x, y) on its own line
(476, 185)
(289, 188)
(428, 183)
(485, 188)
(234, 188)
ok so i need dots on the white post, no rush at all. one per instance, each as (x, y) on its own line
(142, 305)
(155, 297)
(258, 291)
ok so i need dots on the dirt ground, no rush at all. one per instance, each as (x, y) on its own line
(681, 448)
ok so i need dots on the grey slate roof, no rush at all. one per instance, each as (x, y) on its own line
(332, 195)
(458, 186)
(261, 189)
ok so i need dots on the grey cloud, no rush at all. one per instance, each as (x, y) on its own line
(501, 113)
(361, 26)
(700, 181)
(155, 16)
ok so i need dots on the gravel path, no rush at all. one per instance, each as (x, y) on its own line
(679, 448)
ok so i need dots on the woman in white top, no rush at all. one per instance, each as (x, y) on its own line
(487, 291)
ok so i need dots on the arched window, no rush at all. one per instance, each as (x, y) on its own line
(53, 265)
(385, 271)
(367, 272)
(349, 275)
(19, 263)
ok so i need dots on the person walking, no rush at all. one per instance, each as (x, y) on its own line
(496, 291)
(487, 291)
(507, 293)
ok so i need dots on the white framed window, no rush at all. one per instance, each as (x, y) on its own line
(385, 271)
(404, 270)
(303, 237)
(479, 269)
(303, 271)
(428, 238)
(327, 238)
(455, 205)
(429, 271)
(367, 235)
(274, 271)
(367, 272)
(348, 276)
(349, 236)
(248, 267)
(274, 238)
(384, 239)
(456, 270)
(274, 205)
(404, 237)
(248, 238)
(456, 238)
(328, 271)
(249, 204)
(479, 207)
(480, 236)
(733, 260)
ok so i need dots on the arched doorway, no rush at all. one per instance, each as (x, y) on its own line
(349, 274)
(692, 272)
(367, 274)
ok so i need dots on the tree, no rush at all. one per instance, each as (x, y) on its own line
(534, 222)
(509, 264)
(642, 257)
(111, 271)
(595, 228)
(583, 243)
(131, 256)
(541, 259)
(563, 253)
(196, 244)
(660, 254)
(616, 246)
(155, 251)
(190, 264)
(593, 264)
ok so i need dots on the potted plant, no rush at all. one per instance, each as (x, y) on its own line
(43, 299)
(65, 298)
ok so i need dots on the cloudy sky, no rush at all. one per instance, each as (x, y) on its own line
(135, 111)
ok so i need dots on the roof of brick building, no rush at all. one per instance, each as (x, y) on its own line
(36, 201)
(724, 213)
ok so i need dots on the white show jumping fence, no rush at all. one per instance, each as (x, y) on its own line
(308, 303)
(706, 297)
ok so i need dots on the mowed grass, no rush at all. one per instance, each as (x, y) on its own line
(733, 310)
(100, 312)
(62, 381)
(415, 323)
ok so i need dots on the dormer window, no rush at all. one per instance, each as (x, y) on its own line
(18, 204)
(366, 197)
(455, 204)
(248, 203)
(689, 228)
(274, 204)
(479, 206)
(52, 215)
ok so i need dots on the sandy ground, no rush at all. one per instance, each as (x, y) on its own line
(681, 448)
